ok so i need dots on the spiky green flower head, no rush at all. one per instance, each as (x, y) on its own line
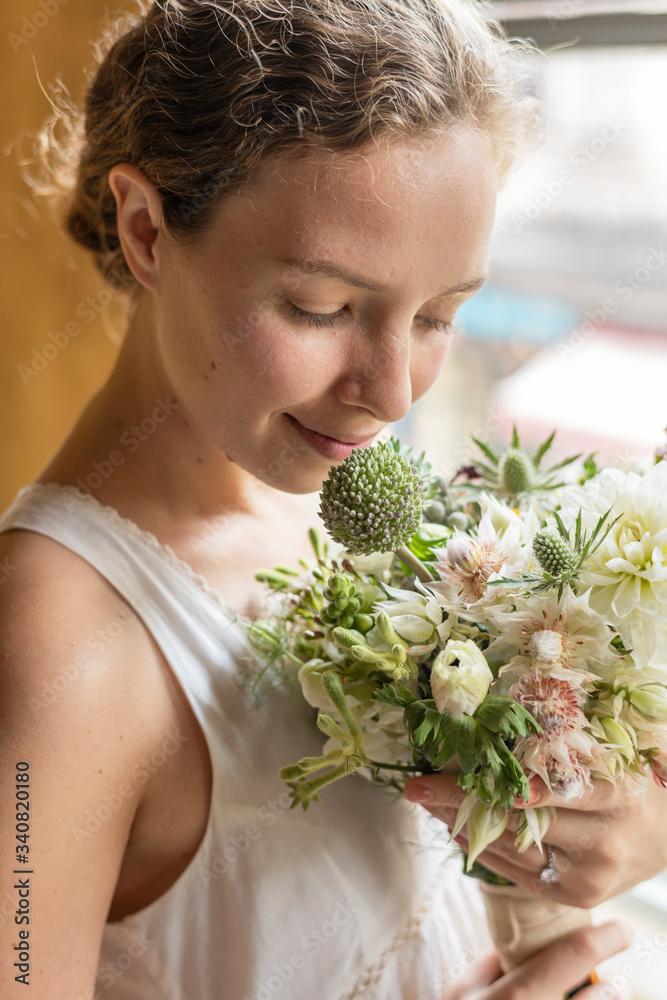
(515, 472)
(374, 500)
(553, 553)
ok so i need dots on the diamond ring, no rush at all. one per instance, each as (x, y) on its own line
(549, 874)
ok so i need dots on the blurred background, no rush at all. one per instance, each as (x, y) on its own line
(571, 331)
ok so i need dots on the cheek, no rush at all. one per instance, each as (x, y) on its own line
(279, 362)
(427, 363)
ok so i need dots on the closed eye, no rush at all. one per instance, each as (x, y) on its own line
(328, 319)
(315, 319)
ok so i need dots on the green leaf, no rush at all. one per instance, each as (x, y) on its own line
(428, 728)
(448, 745)
(505, 716)
(543, 449)
(561, 465)
(399, 696)
(486, 471)
(515, 437)
(465, 742)
(490, 454)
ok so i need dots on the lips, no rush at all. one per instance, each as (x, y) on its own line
(355, 441)
(330, 447)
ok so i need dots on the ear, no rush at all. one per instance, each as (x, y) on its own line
(139, 215)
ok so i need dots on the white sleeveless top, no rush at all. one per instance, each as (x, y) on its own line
(358, 897)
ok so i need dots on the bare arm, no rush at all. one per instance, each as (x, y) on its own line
(68, 725)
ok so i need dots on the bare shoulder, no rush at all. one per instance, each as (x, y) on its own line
(77, 676)
(64, 630)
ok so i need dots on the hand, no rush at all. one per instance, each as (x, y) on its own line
(604, 842)
(552, 972)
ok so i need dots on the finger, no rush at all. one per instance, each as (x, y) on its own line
(484, 973)
(568, 963)
(503, 851)
(434, 789)
(506, 866)
(603, 796)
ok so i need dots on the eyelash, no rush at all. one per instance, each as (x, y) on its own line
(328, 319)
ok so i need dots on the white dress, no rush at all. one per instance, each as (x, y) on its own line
(358, 897)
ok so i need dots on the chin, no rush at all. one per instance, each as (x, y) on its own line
(297, 476)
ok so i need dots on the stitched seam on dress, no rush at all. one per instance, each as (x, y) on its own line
(372, 973)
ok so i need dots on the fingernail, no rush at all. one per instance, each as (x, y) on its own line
(418, 793)
(535, 795)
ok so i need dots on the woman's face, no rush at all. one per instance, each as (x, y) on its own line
(317, 307)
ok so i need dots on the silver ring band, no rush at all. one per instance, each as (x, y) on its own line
(550, 874)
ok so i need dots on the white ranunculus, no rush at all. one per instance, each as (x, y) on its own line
(460, 678)
(627, 574)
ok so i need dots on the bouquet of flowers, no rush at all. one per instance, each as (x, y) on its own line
(509, 623)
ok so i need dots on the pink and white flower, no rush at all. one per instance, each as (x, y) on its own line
(468, 562)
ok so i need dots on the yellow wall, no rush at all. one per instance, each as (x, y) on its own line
(45, 281)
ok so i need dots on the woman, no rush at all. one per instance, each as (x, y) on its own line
(295, 198)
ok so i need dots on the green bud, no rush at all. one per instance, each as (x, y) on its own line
(348, 637)
(366, 654)
(346, 621)
(386, 629)
(553, 553)
(363, 623)
(458, 520)
(292, 772)
(276, 580)
(435, 512)
(337, 583)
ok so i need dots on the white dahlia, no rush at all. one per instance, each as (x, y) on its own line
(627, 574)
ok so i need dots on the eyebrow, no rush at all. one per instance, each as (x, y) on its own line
(329, 269)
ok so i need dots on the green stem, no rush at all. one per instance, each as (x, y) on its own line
(415, 564)
(395, 767)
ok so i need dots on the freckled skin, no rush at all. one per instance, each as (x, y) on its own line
(214, 325)
(415, 219)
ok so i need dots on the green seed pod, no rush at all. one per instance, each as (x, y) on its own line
(373, 501)
(553, 553)
(516, 472)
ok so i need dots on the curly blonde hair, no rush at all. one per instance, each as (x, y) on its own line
(198, 93)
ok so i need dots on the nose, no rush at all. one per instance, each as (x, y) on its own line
(377, 375)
